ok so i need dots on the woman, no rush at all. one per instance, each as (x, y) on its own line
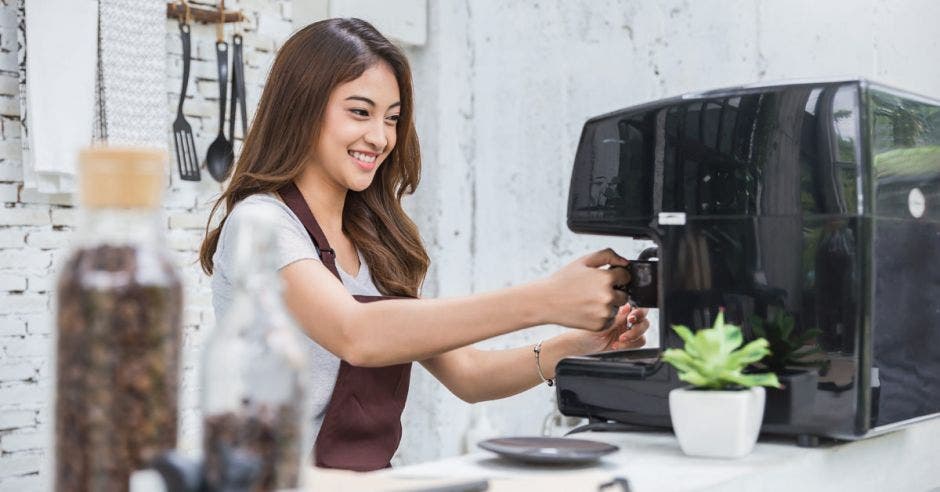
(331, 151)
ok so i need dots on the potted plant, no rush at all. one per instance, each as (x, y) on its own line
(720, 415)
(792, 359)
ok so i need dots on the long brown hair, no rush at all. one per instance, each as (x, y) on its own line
(287, 123)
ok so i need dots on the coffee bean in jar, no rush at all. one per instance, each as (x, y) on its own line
(118, 327)
(254, 450)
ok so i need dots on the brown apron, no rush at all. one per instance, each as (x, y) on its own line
(362, 425)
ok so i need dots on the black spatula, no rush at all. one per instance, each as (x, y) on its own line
(186, 157)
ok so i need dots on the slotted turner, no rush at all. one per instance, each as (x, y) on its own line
(186, 156)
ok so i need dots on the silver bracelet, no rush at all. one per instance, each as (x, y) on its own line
(538, 365)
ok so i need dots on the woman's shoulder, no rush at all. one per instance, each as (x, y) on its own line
(266, 202)
(270, 206)
(292, 239)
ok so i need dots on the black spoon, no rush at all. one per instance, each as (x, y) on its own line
(220, 155)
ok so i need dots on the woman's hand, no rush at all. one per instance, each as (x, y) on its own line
(582, 295)
(626, 332)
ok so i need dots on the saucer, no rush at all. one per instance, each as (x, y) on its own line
(555, 450)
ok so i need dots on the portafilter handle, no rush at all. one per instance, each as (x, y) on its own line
(643, 288)
(651, 252)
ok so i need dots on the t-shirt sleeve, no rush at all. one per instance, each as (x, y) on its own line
(293, 242)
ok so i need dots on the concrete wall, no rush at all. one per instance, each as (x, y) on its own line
(504, 88)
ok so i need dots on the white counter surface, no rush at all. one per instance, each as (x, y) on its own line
(905, 460)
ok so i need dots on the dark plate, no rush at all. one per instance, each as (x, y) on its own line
(548, 449)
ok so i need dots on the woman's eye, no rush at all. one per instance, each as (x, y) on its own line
(359, 112)
(392, 120)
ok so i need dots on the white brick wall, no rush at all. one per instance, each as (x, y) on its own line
(35, 230)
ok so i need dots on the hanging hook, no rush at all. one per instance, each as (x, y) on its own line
(188, 15)
(179, 5)
(220, 27)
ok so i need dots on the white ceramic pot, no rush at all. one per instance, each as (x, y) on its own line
(716, 424)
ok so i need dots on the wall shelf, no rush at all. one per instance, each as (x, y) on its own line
(205, 15)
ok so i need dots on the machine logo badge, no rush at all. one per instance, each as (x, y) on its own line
(916, 203)
(672, 218)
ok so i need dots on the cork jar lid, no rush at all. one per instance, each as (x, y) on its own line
(122, 177)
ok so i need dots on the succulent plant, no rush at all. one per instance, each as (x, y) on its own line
(786, 348)
(714, 359)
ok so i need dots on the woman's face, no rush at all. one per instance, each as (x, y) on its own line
(359, 128)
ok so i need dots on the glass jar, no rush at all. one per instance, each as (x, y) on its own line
(255, 423)
(118, 326)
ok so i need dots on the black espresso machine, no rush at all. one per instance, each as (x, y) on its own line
(810, 213)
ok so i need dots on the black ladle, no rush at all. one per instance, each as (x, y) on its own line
(221, 154)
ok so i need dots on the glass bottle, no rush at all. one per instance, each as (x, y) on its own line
(118, 326)
(255, 423)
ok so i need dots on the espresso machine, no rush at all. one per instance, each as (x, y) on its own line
(810, 213)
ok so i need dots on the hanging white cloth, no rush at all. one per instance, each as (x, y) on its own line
(58, 58)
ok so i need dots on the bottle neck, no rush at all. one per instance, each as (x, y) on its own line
(118, 226)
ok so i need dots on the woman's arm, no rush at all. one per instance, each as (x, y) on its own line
(581, 295)
(478, 375)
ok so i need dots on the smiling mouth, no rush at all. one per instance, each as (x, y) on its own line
(365, 161)
(367, 158)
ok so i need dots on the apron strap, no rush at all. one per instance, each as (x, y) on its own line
(295, 201)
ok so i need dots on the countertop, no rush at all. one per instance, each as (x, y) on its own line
(904, 460)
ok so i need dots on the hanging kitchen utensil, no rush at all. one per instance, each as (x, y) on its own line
(238, 87)
(233, 105)
(187, 158)
(238, 73)
(221, 154)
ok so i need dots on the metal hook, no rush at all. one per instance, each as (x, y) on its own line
(187, 17)
(220, 27)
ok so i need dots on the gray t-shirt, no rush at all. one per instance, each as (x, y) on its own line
(294, 244)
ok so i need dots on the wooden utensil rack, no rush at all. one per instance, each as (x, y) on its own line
(203, 14)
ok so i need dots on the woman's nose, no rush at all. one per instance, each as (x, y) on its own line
(376, 136)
